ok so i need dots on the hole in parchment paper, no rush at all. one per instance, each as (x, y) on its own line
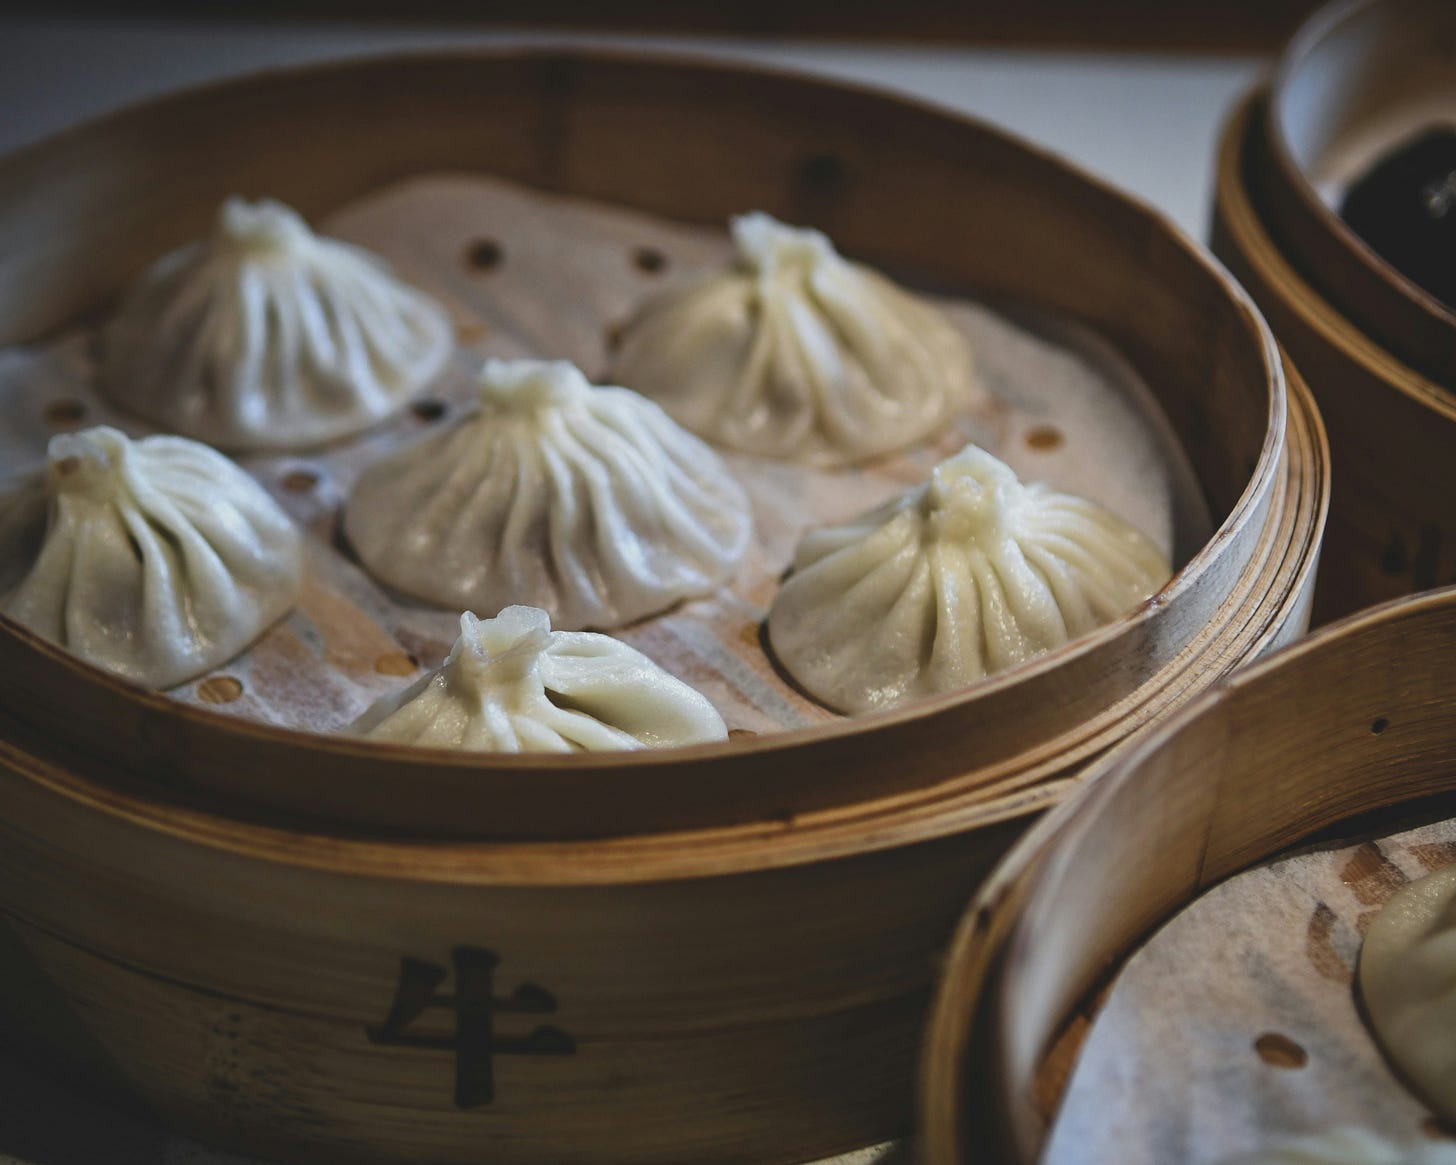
(396, 663)
(484, 255)
(741, 733)
(220, 690)
(1044, 438)
(649, 260)
(1279, 1051)
(300, 481)
(1379, 725)
(60, 413)
(428, 409)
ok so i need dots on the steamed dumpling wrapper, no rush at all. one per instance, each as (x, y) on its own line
(511, 684)
(156, 559)
(798, 354)
(589, 502)
(1408, 982)
(966, 575)
(268, 336)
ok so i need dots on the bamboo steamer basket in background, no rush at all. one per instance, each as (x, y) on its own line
(1392, 527)
(318, 949)
(1156, 825)
(1356, 81)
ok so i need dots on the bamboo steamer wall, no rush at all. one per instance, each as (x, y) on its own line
(1392, 526)
(1073, 899)
(319, 950)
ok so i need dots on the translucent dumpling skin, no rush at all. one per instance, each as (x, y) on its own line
(511, 684)
(589, 502)
(963, 576)
(1408, 981)
(156, 559)
(268, 336)
(797, 354)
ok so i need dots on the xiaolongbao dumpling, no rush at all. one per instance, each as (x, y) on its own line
(1408, 980)
(796, 353)
(965, 575)
(511, 684)
(1347, 1145)
(156, 559)
(589, 502)
(267, 336)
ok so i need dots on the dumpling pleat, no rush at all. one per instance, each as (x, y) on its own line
(510, 684)
(159, 560)
(1013, 571)
(268, 336)
(795, 353)
(586, 501)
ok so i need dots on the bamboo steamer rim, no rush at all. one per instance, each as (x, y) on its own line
(880, 826)
(227, 732)
(664, 857)
(967, 1029)
(1375, 276)
(1242, 217)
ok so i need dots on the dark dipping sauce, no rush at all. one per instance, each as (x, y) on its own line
(1405, 208)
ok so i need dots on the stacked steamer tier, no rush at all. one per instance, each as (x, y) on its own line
(1269, 760)
(1378, 350)
(322, 947)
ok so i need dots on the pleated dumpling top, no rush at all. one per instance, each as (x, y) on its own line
(796, 353)
(589, 502)
(268, 336)
(965, 575)
(511, 684)
(156, 559)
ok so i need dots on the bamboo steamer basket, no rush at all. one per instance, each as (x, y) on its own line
(317, 950)
(1158, 823)
(1354, 81)
(1392, 527)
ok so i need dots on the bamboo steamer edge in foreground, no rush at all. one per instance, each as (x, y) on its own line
(1392, 527)
(751, 989)
(1071, 901)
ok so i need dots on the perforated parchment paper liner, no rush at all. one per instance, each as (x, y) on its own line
(525, 273)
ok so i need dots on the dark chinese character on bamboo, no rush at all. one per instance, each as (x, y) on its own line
(475, 1004)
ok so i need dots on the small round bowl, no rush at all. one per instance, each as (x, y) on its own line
(1392, 524)
(1359, 79)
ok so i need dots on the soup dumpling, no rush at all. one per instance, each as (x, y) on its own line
(798, 354)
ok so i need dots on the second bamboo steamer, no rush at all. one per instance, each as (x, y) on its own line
(317, 950)
(1392, 525)
(1256, 768)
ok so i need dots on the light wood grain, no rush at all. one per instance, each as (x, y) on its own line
(1273, 756)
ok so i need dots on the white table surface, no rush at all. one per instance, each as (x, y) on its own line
(1146, 123)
